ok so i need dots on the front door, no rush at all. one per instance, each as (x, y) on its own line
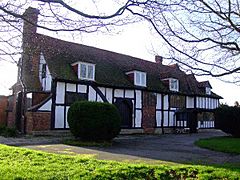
(187, 119)
(125, 108)
(192, 122)
(181, 119)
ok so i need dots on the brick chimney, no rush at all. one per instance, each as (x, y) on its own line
(158, 59)
(30, 17)
(30, 55)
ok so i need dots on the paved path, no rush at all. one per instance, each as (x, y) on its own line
(174, 148)
(31, 140)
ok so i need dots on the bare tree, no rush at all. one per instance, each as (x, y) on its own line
(55, 16)
(201, 35)
(236, 104)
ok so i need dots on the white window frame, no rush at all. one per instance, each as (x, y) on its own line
(142, 80)
(208, 90)
(87, 69)
(175, 86)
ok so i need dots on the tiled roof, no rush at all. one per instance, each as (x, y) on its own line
(204, 84)
(111, 67)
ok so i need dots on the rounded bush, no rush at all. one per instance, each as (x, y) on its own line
(94, 120)
(228, 120)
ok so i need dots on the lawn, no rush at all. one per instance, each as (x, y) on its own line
(222, 144)
(20, 163)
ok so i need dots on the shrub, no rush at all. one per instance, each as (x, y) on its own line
(2, 129)
(7, 132)
(10, 132)
(228, 120)
(94, 120)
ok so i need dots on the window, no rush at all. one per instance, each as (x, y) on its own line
(87, 71)
(71, 97)
(208, 90)
(140, 78)
(44, 70)
(173, 84)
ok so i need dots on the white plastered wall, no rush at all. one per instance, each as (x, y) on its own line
(206, 103)
(159, 110)
(109, 94)
(138, 106)
(59, 117)
(82, 88)
(47, 81)
(190, 102)
(91, 94)
(71, 87)
(46, 106)
(60, 93)
(102, 89)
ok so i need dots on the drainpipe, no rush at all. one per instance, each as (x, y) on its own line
(23, 103)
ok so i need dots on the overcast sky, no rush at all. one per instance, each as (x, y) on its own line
(135, 40)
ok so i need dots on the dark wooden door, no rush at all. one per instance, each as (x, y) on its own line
(190, 117)
(181, 119)
(125, 109)
(192, 122)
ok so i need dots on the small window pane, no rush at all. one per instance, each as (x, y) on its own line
(173, 84)
(138, 78)
(143, 79)
(44, 70)
(90, 72)
(208, 90)
(177, 86)
(71, 97)
(83, 71)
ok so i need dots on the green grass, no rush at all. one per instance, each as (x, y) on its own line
(20, 163)
(222, 144)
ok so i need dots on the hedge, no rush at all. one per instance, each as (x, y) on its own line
(94, 120)
(227, 119)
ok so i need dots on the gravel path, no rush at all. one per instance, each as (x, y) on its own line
(153, 148)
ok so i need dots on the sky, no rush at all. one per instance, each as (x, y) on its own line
(134, 40)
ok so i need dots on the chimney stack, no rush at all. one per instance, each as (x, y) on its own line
(30, 59)
(158, 59)
(30, 24)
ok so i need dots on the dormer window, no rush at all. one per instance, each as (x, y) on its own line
(85, 71)
(173, 84)
(205, 86)
(208, 90)
(139, 78)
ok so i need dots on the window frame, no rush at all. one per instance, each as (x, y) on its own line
(71, 97)
(208, 90)
(176, 86)
(142, 78)
(87, 71)
(44, 71)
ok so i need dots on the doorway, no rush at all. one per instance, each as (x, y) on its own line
(125, 108)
